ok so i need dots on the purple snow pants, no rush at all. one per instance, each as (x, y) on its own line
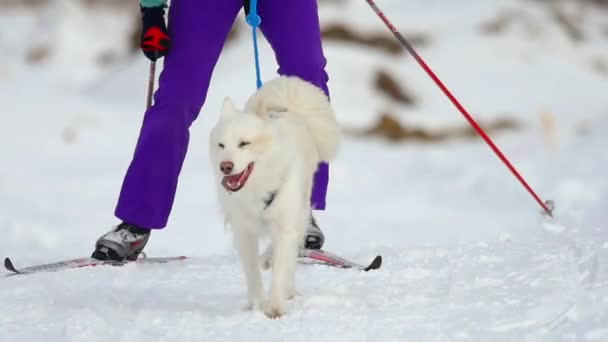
(198, 29)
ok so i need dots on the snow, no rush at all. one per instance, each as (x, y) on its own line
(467, 254)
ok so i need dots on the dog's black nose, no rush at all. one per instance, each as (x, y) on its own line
(226, 167)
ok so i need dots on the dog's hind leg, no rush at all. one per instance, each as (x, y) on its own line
(247, 248)
(266, 261)
(299, 226)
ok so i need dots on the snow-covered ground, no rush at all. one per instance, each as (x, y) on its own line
(467, 255)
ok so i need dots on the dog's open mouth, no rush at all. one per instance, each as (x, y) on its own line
(237, 181)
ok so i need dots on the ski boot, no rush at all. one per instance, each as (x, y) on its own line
(125, 242)
(314, 239)
(314, 236)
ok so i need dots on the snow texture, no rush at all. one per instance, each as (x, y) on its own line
(467, 254)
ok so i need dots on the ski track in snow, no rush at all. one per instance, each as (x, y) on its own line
(467, 255)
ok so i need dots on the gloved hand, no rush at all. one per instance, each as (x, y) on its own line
(155, 41)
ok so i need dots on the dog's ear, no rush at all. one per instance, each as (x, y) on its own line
(260, 109)
(228, 107)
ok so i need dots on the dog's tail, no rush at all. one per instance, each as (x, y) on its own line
(304, 102)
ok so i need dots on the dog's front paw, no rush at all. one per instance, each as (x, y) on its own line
(274, 310)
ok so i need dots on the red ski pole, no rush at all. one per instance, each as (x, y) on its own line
(547, 206)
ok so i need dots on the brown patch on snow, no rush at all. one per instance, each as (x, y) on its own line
(386, 84)
(384, 42)
(38, 54)
(570, 23)
(389, 128)
(600, 64)
(509, 17)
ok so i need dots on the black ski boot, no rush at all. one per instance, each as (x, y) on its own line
(125, 242)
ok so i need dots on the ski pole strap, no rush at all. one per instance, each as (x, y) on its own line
(254, 20)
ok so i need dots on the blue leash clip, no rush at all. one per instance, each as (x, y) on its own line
(255, 20)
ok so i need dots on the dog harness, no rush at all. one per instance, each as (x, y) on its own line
(268, 201)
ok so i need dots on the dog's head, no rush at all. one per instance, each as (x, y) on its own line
(237, 141)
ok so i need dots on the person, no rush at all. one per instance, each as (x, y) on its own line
(191, 45)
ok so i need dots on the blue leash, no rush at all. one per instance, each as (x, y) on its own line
(254, 20)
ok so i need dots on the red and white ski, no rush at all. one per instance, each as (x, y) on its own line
(321, 257)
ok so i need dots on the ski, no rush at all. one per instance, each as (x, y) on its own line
(307, 256)
(83, 262)
(321, 257)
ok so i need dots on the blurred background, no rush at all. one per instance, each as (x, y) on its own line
(467, 255)
(533, 73)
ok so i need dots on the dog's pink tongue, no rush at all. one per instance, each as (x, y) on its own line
(236, 182)
(233, 182)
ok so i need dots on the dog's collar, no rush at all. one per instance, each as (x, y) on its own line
(269, 199)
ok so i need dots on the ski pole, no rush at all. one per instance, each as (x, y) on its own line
(546, 206)
(151, 79)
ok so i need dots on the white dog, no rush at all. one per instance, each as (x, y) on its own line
(264, 158)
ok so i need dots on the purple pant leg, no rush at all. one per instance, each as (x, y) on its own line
(198, 30)
(292, 29)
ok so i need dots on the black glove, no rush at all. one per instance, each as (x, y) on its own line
(246, 7)
(155, 42)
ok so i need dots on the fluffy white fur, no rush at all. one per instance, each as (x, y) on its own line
(286, 128)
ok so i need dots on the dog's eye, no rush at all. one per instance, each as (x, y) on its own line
(244, 143)
(220, 145)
